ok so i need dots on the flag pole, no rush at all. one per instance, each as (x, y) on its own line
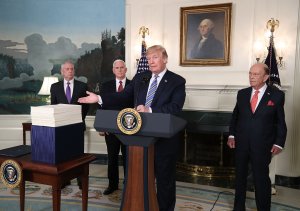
(144, 30)
(142, 63)
(271, 61)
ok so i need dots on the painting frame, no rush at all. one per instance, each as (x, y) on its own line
(216, 54)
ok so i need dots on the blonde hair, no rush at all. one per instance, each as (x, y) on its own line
(156, 48)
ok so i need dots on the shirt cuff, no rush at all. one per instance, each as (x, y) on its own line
(100, 102)
(278, 146)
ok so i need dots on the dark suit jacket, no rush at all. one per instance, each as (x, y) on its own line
(169, 96)
(79, 90)
(110, 87)
(211, 49)
(263, 128)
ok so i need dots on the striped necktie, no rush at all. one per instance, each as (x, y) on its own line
(151, 92)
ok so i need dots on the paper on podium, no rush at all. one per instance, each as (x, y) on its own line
(56, 115)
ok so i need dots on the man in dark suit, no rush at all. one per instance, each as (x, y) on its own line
(208, 46)
(257, 131)
(168, 90)
(112, 142)
(76, 88)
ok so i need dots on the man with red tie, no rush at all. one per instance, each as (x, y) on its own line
(112, 142)
(257, 132)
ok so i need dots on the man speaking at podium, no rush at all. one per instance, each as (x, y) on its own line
(156, 91)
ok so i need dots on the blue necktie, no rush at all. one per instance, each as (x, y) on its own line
(151, 92)
(68, 92)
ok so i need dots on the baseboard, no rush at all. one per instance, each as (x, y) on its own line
(290, 182)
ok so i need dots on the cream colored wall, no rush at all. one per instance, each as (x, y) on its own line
(249, 19)
(208, 88)
(214, 87)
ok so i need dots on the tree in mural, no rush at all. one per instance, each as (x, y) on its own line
(96, 65)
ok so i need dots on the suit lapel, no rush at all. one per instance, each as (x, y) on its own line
(75, 91)
(143, 87)
(65, 100)
(265, 98)
(112, 86)
(162, 85)
(248, 98)
(127, 82)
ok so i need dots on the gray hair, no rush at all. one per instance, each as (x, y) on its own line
(66, 62)
(119, 60)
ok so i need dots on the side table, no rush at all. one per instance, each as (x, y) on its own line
(54, 175)
(26, 127)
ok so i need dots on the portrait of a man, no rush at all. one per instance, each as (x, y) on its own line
(208, 46)
(205, 35)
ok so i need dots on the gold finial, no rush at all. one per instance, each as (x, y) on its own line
(272, 24)
(143, 30)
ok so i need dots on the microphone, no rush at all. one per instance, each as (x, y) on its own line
(144, 81)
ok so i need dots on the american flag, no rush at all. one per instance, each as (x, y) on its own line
(143, 65)
(274, 79)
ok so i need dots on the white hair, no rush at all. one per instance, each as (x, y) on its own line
(208, 22)
(66, 62)
(119, 60)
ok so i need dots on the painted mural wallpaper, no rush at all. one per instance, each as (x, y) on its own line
(36, 37)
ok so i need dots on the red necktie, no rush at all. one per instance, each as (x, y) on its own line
(120, 88)
(254, 101)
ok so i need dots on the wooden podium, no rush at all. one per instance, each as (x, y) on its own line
(139, 189)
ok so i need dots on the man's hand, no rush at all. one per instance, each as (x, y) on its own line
(231, 143)
(103, 133)
(91, 98)
(275, 150)
(142, 108)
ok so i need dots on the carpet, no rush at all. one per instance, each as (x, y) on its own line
(190, 197)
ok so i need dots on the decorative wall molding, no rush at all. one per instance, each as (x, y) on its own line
(211, 97)
(214, 97)
(220, 88)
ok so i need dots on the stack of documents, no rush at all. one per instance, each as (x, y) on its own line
(56, 115)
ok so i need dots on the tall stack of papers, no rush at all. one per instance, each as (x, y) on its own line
(56, 115)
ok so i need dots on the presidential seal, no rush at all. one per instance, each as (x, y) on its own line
(129, 121)
(11, 173)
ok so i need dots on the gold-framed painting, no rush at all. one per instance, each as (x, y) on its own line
(205, 35)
